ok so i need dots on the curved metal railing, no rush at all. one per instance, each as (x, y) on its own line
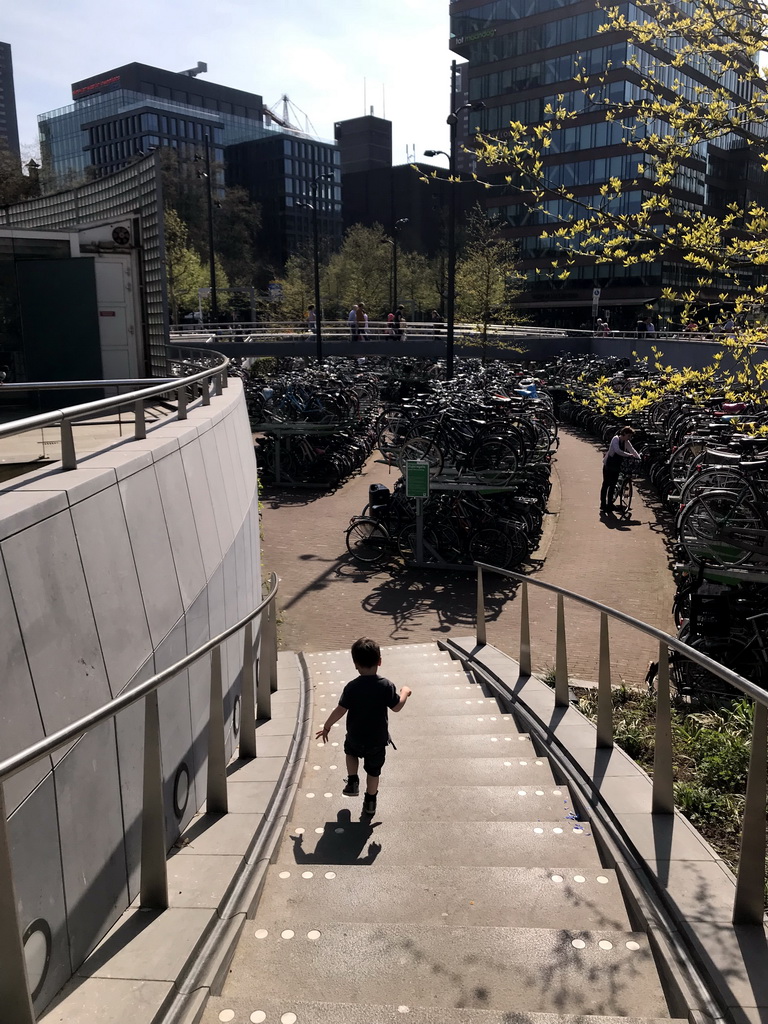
(257, 688)
(748, 907)
(64, 418)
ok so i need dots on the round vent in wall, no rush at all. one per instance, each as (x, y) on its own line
(121, 236)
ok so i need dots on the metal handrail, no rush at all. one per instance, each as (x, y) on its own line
(748, 906)
(256, 691)
(67, 416)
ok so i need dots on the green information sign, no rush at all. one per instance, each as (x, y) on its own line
(417, 478)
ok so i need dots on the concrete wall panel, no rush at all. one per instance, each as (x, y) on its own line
(56, 619)
(202, 505)
(151, 547)
(176, 731)
(113, 585)
(185, 543)
(91, 829)
(20, 721)
(215, 476)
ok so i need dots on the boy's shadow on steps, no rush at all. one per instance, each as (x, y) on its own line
(342, 842)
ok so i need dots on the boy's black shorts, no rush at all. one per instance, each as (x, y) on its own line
(372, 757)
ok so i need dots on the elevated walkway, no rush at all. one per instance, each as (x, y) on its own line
(477, 893)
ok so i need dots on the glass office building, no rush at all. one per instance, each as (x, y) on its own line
(126, 112)
(522, 56)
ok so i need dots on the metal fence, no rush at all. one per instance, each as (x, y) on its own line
(186, 390)
(748, 907)
(259, 681)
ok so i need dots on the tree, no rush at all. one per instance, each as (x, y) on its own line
(360, 271)
(486, 278)
(699, 99)
(298, 284)
(186, 272)
(14, 185)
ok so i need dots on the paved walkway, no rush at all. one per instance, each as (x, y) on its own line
(327, 601)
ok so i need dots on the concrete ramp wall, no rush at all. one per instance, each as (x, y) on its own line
(108, 574)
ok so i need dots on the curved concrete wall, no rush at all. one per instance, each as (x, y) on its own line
(108, 574)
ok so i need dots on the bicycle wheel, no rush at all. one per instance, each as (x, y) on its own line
(391, 430)
(624, 494)
(406, 544)
(423, 449)
(692, 680)
(367, 540)
(491, 546)
(494, 462)
(720, 528)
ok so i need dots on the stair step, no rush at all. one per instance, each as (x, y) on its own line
(456, 803)
(432, 677)
(269, 1011)
(440, 746)
(429, 895)
(526, 844)
(495, 724)
(530, 969)
(428, 701)
(420, 771)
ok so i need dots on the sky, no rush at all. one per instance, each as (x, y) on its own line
(334, 59)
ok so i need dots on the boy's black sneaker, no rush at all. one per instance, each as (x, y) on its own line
(352, 787)
(369, 804)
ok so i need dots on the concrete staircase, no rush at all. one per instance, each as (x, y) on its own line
(473, 895)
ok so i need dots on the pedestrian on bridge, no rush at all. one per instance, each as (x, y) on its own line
(365, 700)
(353, 328)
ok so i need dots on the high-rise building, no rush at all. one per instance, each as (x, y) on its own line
(130, 110)
(9, 128)
(523, 56)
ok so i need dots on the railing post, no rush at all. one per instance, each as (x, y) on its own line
(663, 801)
(225, 378)
(480, 610)
(750, 880)
(525, 632)
(181, 403)
(263, 688)
(561, 658)
(140, 431)
(154, 870)
(604, 702)
(68, 453)
(205, 390)
(219, 384)
(217, 798)
(15, 1000)
(248, 713)
(272, 646)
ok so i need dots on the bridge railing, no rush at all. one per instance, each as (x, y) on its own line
(198, 385)
(748, 907)
(257, 688)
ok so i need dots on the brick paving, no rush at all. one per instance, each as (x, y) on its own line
(326, 600)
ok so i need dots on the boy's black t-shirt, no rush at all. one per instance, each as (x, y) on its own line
(367, 699)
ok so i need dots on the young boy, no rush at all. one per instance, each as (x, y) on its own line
(366, 698)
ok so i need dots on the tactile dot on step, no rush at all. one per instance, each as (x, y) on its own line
(261, 933)
(632, 944)
(227, 1015)
(522, 762)
(314, 935)
(578, 829)
(330, 874)
(557, 792)
(299, 831)
(338, 831)
(539, 792)
(403, 1009)
(258, 1017)
(328, 795)
(494, 740)
(319, 831)
(287, 934)
(284, 874)
(579, 944)
(521, 792)
(605, 944)
(310, 795)
(538, 831)
(602, 879)
(306, 874)
(579, 878)
(557, 831)
(556, 878)
(507, 764)
(334, 744)
(288, 1018)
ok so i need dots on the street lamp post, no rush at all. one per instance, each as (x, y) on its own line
(316, 258)
(450, 299)
(398, 225)
(211, 251)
